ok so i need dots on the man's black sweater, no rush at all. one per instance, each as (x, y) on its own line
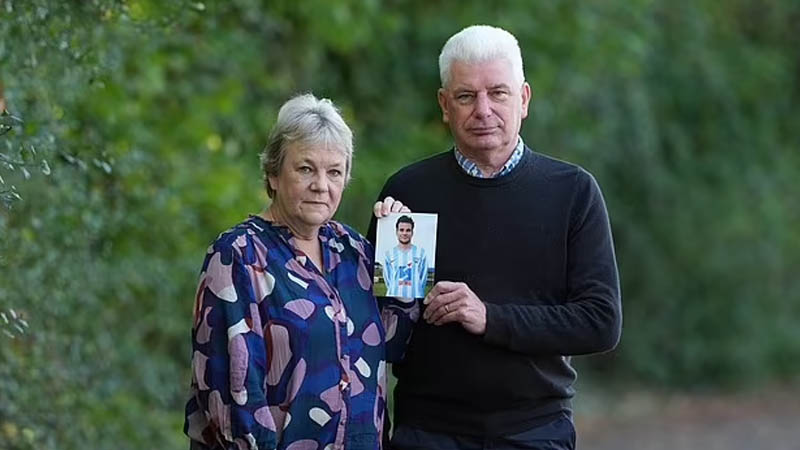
(535, 246)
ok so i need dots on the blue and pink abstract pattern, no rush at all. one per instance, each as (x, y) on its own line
(286, 356)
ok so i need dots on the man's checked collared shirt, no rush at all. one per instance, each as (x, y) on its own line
(472, 169)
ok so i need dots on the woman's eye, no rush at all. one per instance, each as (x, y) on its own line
(335, 173)
(304, 169)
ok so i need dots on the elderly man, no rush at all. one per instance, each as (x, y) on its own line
(526, 275)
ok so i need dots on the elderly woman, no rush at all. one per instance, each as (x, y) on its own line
(288, 341)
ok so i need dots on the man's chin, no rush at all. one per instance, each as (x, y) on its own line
(486, 143)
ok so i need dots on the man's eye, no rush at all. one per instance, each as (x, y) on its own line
(500, 95)
(464, 97)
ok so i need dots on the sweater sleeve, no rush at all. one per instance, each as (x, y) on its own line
(589, 319)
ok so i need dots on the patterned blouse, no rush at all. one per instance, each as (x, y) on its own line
(286, 357)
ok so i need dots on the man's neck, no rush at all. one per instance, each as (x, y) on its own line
(404, 247)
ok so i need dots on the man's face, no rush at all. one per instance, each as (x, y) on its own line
(484, 106)
(404, 233)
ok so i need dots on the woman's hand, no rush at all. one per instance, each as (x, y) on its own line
(388, 206)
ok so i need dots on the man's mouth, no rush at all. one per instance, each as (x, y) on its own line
(482, 130)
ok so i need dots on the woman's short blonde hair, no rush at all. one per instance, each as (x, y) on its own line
(310, 121)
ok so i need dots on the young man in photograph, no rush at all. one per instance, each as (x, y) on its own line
(405, 265)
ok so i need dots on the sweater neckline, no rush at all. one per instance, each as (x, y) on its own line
(528, 158)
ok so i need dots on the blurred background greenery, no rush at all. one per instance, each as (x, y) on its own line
(130, 139)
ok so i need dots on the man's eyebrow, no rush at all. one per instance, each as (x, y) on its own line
(490, 88)
(500, 86)
(462, 87)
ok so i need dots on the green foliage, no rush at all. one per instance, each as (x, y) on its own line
(131, 138)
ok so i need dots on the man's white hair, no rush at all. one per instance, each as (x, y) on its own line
(481, 43)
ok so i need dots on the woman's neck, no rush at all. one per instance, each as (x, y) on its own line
(301, 232)
(307, 240)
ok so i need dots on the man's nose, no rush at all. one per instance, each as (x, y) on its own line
(483, 106)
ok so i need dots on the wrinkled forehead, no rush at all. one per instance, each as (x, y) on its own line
(485, 73)
(317, 151)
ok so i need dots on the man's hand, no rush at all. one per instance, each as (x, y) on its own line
(388, 206)
(455, 302)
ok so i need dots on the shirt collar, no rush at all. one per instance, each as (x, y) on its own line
(468, 166)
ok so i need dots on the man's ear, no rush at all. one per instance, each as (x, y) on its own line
(441, 95)
(526, 98)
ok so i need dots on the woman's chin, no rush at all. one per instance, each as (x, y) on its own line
(316, 218)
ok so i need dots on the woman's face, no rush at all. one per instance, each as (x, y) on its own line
(309, 186)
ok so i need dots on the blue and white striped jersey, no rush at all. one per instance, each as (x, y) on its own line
(405, 272)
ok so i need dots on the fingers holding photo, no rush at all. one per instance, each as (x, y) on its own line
(387, 206)
(440, 302)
